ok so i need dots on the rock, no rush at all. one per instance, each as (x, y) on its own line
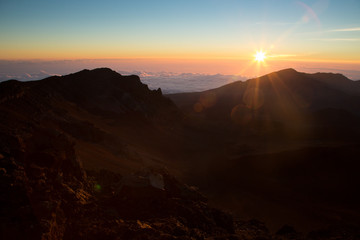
(252, 229)
(157, 181)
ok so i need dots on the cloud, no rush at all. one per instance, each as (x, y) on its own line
(276, 23)
(171, 82)
(281, 55)
(356, 29)
(49, 74)
(337, 39)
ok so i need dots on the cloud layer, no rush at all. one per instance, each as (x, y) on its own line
(184, 82)
(169, 82)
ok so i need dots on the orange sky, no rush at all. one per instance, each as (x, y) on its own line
(200, 36)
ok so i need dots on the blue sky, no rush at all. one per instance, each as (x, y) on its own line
(316, 30)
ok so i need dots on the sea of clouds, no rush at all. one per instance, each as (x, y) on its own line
(168, 81)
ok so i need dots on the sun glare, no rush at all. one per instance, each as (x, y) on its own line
(260, 56)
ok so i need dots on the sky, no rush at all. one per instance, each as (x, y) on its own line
(208, 32)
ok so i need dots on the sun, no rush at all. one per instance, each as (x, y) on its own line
(260, 56)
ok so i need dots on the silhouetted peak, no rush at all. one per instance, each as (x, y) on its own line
(287, 71)
(96, 81)
(98, 72)
(103, 71)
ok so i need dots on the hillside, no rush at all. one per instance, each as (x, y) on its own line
(97, 110)
(283, 147)
(284, 103)
(82, 158)
(98, 155)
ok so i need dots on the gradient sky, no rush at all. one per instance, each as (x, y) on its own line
(317, 30)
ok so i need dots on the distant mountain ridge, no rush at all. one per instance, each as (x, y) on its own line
(90, 107)
(90, 89)
(289, 76)
(337, 81)
(286, 97)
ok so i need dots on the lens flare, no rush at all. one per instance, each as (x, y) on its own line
(97, 187)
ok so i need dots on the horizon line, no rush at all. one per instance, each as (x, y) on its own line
(175, 59)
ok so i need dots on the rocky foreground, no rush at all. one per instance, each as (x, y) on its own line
(52, 197)
(57, 199)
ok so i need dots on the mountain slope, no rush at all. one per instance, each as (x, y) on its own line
(98, 109)
(93, 155)
(81, 156)
(283, 147)
(300, 90)
(279, 101)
